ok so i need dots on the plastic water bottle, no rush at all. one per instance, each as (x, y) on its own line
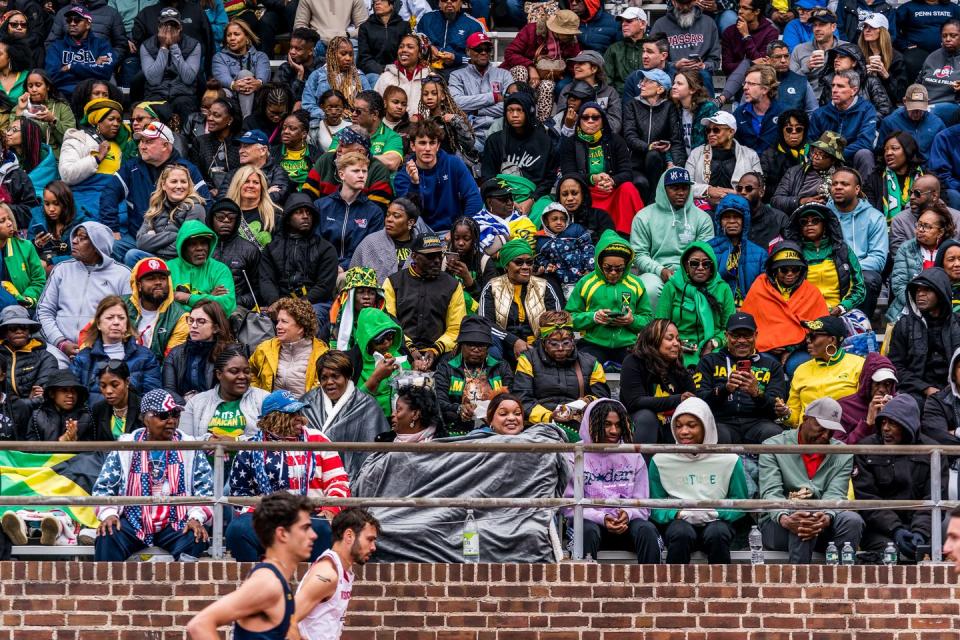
(471, 539)
(831, 554)
(890, 555)
(847, 555)
(756, 546)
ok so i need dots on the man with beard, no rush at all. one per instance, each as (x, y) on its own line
(79, 54)
(324, 592)
(160, 320)
(448, 29)
(925, 192)
(693, 38)
(195, 275)
(757, 115)
(766, 223)
(479, 88)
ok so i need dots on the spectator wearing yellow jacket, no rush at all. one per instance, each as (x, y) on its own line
(289, 361)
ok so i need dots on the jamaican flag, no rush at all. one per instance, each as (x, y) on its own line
(43, 474)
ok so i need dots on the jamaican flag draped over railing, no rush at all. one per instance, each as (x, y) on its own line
(45, 474)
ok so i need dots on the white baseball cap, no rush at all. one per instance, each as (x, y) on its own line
(723, 118)
(877, 21)
(633, 13)
(884, 374)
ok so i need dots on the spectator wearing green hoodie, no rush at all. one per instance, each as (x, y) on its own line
(609, 306)
(380, 339)
(663, 230)
(195, 275)
(698, 302)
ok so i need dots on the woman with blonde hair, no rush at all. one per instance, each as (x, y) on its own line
(249, 189)
(289, 361)
(881, 58)
(340, 73)
(239, 67)
(173, 202)
(111, 336)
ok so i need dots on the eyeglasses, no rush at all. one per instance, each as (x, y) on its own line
(166, 415)
(748, 83)
(810, 221)
(522, 262)
(789, 269)
(745, 188)
(224, 216)
(700, 264)
(609, 268)
(590, 118)
(797, 129)
(559, 344)
(197, 321)
(923, 226)
(710, 130)
(916, 193)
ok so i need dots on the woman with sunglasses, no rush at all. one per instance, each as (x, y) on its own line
(899, 164)
(781, 299)
(408, 71)
(15, 27)
(112, 416)
(553, 373)
(934, 226)
(716, 166)
(791, 149)
(809, 181)
(832, 266)
(188, 367)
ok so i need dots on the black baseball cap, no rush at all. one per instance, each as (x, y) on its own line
(741, 320)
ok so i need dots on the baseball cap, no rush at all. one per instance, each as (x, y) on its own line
(741, 320)
(916, 98)
(152, 265)
(676, 175)
(884, 374)
(807, 4)
(253, 137)
(877, 21)
(659, 76)
(827, 412)
(282, 401)
(787, 257)
(158, 401)
(155, 130)
(170, 15)
(582, 89)
(723, 118)
(495, 188)
(590, 56)
(477, 39)
(830, 325)
(823, 14)
(427, 243)
(80, 11)
(633, 13)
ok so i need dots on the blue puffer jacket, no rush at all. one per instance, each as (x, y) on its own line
(752, 256)
(144, 368)
(599, 32)
(450, 36)
(858, 124)
(345, 225)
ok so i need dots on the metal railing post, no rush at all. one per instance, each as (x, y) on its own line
(216, 549)
(578, 507)
(936, 537)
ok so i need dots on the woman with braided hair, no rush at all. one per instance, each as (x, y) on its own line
(271, 104)
(438, 105)
(292, 151)
(339, 73)
(408, 71)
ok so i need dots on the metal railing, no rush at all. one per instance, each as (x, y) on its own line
(218, 501)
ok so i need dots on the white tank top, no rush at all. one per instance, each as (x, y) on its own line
(325, 622)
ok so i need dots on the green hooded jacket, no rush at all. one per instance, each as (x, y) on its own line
(370, 323)
(203, 279)
(593, 293)
(659, 234)
(700, 313)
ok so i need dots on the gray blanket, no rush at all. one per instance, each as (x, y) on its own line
(435, 535)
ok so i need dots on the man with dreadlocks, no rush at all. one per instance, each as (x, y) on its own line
(339, 73)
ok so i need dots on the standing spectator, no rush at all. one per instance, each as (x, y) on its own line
(301, 62)
(289, 361)
(716, 167)
(808, 476)
(809, 57)
(340, 72)
(379, 37)
(478, 88)
(624, 56)
(598, 29)
(919, 23)
(694, 39)
(941, 74)
(740, 261)
(348, 217)
(409, 68)
(330, 21)
(746, 41)
(79, 54)
(239, 66)
(653, 130)
(448, 29)
(171, 64)
(758, 114)
(882, 60)
(913, 118)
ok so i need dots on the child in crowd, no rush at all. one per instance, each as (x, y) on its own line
(564, 248)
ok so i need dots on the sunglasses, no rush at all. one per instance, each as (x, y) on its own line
(789, 269)
(523, 262)
(590, 118)
(923, 226)
(166, 415)
(73, 19)
(797, 129)
(484, 48)
(700, 264)
(745, 188)
(916, 193)
(197, 321)
(112, 366)
(17, 25)
(811, 221)
(612, 269)
(715, 129)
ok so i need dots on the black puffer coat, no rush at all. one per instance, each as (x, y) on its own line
(240, 255)
(377, 43)
(48, 423)
(203, 153)
(871, 87)
(31, 366)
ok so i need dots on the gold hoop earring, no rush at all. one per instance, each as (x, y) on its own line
(835, 350)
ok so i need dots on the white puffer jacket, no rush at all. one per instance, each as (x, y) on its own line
(78, 159)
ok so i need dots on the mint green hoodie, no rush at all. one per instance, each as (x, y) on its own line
(205, 278)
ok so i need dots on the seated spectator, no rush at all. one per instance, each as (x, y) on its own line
(747, 40)
(831, 371)
(143, 113)
(745, 389)
(24, 360)
(450, 51)
(478, 88)
(881, 59)
(878, 384)
(239, 66)
(653, 130)
(301, 62)
(944, 162)
(864, 230)
(442, 181)
(809, 180)
(588, 66)
(342, 412)
(941, 411)
(656, 238)
(97, 147)
(948, 259)
(573, 192)
(51, 112)
(293, 153)
(924, 336)
(288, 362)
(879, 477)
(852, 117)
(798, 29)
(379, 37)
(740, 261)
(174, 201)
(831, 264)
(783, 299)
(716, 167)
(934, 226)
(564, 251)
(760, 110)
(540, 55)
(427, 302)
(170, 62)
(272, 103)
(887, 189)
(254, 152)
(112, 417)
(385, 145)
(465, 262)
(340, 73)
(808, 476)
(23, 278)
(654, 382)
(383, 355)
(63, 415)
(334, 105)
(78, 54)
(60, 217)
(62, 313)
(322, 179)
(523, 147)
(232, 407)
(249, 189)
(697, 476)
(620, 475)
(939, 74)
(216, 153)
(609, 306)
(195, 275)
(188, 368)
(504, 416)
(415, 418)
(92, 89)
(360, 290)
(438, 106)
(26, 166)
(387, 250)
(603, 157)
(237, 247)
(766, 222)
(178, 530)
(553, 372)
(564, 123)
(794, 92)
(694, 105)
(848, 57)
(694, 39)
(409, 69)
(809, 56)
(499, 213)
(515, 301)
(316, 474)
(471, 377)
(159, 320)
(913, 118)
(347, 213)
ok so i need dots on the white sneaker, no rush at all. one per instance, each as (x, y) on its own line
(49, 531)
(14, 527)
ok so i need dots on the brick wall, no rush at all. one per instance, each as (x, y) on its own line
(87, 601)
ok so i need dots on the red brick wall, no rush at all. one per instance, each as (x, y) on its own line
(87, 601)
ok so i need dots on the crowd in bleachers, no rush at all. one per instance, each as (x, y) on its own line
(346, 221)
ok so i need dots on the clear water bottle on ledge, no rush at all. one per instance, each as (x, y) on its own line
(890, 555)
(756, 546)
(471, 539)
(832, 555)
(847, 555)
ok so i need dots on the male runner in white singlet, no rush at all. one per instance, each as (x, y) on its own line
(324, 592)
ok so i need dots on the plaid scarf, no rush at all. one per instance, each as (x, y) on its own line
(140, 484)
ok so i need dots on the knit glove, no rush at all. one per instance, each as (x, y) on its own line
(907, 541)
(699, 517)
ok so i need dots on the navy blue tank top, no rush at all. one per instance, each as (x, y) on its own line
(279, 632)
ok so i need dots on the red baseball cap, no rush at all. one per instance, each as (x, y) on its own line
(151, 265)
(477, 39)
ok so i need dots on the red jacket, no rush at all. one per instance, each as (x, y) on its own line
(523, 49)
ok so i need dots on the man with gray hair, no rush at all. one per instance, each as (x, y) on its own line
(853, 118)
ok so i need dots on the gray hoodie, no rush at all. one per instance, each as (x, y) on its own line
(74, 289)
(702, 39)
